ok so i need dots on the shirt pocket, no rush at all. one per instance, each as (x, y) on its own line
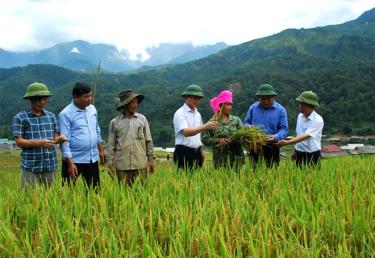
(140, 133)
(118, 144)
(119, 137)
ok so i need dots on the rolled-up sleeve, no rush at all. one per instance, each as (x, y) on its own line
(149, 143)
(208, 139)
(98, 131)
(316, 129)
(179, 122)
(283, 126)
(17, 127)
(64, 126)
(111, 144)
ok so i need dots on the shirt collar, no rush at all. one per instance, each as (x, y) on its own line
(274, 105)
(230, 119)
(186, 108)
(76, 108)
(32, 114)
(122, 115)
(311, 117)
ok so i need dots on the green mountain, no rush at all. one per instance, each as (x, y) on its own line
(337, 62)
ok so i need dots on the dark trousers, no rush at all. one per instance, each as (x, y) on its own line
(187, 158)
(89, 172)
(270, 155)
(307, 159)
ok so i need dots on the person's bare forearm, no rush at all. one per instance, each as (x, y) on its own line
(192, 131)
(55, 137)
(100, 147)
(25, 143)
(297, 139)
(69, 161)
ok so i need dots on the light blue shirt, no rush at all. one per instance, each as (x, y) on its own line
(273, 119)
(81, 127)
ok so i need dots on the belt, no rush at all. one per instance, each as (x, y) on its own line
(189, 148)
(305, 152)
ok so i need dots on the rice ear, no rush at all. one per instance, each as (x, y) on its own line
(251, 138)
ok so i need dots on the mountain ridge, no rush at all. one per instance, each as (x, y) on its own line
(336, 61)
(82, 55)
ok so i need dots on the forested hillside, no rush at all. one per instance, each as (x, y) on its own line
(337, 62)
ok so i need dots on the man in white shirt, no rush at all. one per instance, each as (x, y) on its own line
(309, 131)
(188, 125)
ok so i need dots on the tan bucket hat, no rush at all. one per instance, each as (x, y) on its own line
(127, 96)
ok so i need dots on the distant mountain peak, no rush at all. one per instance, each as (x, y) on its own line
(367, 16)
(75, 50)
(80, 54)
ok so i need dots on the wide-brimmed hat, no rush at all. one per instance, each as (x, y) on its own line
(193, 90)
(37, 89)
(224, 97)
(308, 97)
(266, 90)
(127, 96)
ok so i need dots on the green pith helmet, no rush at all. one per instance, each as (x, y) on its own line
(308, 97)
(193, 90)
(266, 90)
(37, 89)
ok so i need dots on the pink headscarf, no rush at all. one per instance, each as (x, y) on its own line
(224, 97)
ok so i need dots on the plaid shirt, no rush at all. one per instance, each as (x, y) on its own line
(31, 127)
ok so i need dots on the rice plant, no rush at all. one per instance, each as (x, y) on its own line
(251, 138)
(286, 212)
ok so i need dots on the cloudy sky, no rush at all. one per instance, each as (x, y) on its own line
(35, 24)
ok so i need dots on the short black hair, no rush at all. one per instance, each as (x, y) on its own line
(80, 89)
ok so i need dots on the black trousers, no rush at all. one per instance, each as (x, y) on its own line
(187, 158)
(270, 155)
(89, 172)
(307, 159)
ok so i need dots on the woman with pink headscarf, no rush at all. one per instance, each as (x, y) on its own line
(225, 151)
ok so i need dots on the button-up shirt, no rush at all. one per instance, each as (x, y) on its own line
(129, 142)
(31, 127)
(81, 127)
(273, 119)
(313, 126)
(184, 118)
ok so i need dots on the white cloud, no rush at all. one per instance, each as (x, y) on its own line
(134, 25)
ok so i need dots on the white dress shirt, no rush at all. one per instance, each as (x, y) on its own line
(187, 118)
(313, 126)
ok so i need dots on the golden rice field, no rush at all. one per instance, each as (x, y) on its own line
(267, 213)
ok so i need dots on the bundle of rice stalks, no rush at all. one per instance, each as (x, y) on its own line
(217, 117)
(251, 138)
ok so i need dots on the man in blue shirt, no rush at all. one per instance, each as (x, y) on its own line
(35, 131)
(79, 123)
(272, 118)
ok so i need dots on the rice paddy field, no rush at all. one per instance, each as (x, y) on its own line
(328, 212)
